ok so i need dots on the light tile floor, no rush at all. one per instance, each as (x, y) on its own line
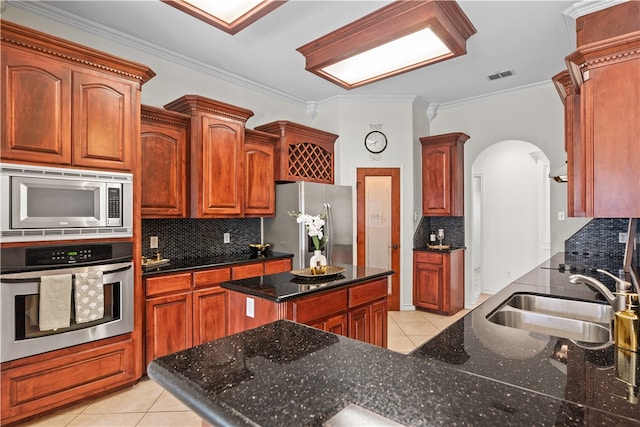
(148, 405)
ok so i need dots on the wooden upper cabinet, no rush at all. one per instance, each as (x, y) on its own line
(303, 153)
(31, 134)
(104, 116)
(67, 104)
(443, 174)
(259, 175)
(605, 75)
(572, 144)
(217, 156)
(163, 141)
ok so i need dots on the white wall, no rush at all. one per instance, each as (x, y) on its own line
(395, 115)
(533, 114)
(511, 198)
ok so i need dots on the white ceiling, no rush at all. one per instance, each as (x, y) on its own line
(531, 38)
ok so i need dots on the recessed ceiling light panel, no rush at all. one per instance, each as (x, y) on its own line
(230, 16)
(397, 38)
(415, 48)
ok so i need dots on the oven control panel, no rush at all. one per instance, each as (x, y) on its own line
(67, 254)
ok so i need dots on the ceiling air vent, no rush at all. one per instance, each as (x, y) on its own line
(501, 74)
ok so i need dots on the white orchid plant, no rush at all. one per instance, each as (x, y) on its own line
(314, 225)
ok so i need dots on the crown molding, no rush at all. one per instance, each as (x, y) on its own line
(69, 19)
(582, 8)
(496, 95)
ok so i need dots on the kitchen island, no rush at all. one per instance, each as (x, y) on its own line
(474, 373)
(352, 301)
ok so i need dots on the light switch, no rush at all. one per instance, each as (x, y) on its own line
(250, 307)
(561, 216)
(153, 242)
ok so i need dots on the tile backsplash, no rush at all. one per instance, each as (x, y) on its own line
(453, 230)
(187, 238)
(596, 245)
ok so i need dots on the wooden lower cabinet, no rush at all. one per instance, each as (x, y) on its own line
(438, 281)
(357, 311)
(209, 320)
(335, 324)
(169, 325)
(47, 381)
(188, 309)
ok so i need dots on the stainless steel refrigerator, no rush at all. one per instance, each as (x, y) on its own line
(286, 235)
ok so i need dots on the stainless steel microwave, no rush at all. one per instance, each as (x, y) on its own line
(46, 203)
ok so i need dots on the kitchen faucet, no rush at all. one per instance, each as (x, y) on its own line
(617, 299)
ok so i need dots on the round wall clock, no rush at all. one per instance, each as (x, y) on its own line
(375, 141)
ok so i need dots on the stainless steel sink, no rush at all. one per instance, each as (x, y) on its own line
(567, 308)
(581, 321)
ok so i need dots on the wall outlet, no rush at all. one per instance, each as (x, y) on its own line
(227, 237)
(622, 237)
(250, 307)
(153, 242)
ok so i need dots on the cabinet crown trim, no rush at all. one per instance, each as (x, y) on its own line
(162, 115)
(281, 127)
(457, 137)
(190, 104)
(27, 38)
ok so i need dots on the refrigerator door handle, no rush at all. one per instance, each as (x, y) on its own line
(329, 231)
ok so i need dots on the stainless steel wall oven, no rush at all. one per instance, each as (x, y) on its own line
(23, 297)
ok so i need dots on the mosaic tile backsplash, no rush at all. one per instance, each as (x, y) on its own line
(188, 238)
(596, 245)
(453, 230)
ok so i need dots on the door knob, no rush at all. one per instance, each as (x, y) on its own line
(395, 246)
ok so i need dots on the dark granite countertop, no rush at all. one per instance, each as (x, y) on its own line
(285, 286)
(178, 265)
(473, 373)
(449, 249)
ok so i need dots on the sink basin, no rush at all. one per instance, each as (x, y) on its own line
(581, 321)
(567, 308)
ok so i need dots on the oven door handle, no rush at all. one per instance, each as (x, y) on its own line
(34, 276)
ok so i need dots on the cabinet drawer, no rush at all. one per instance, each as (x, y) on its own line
(35, 387)
(211, 277)
(320, 306)
(430, 257)
(249, 270)
(169, 283)
(367, 292)
(277, 266)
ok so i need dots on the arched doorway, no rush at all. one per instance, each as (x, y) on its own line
(510, 213)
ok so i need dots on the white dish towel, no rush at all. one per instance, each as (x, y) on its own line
(55, 302)
(89, 294)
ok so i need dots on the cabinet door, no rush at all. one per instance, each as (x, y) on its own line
(359, 324)
(36, 108)
(610, 127)
(221, 157)
(104, 114)
(168, 325)
(335, 324)
(427, 285)
(436, 180)
(259, 180)
(163, 170)
(378, 325)
(209, 315)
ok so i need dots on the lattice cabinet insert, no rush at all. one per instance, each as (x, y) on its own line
(303, 153)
